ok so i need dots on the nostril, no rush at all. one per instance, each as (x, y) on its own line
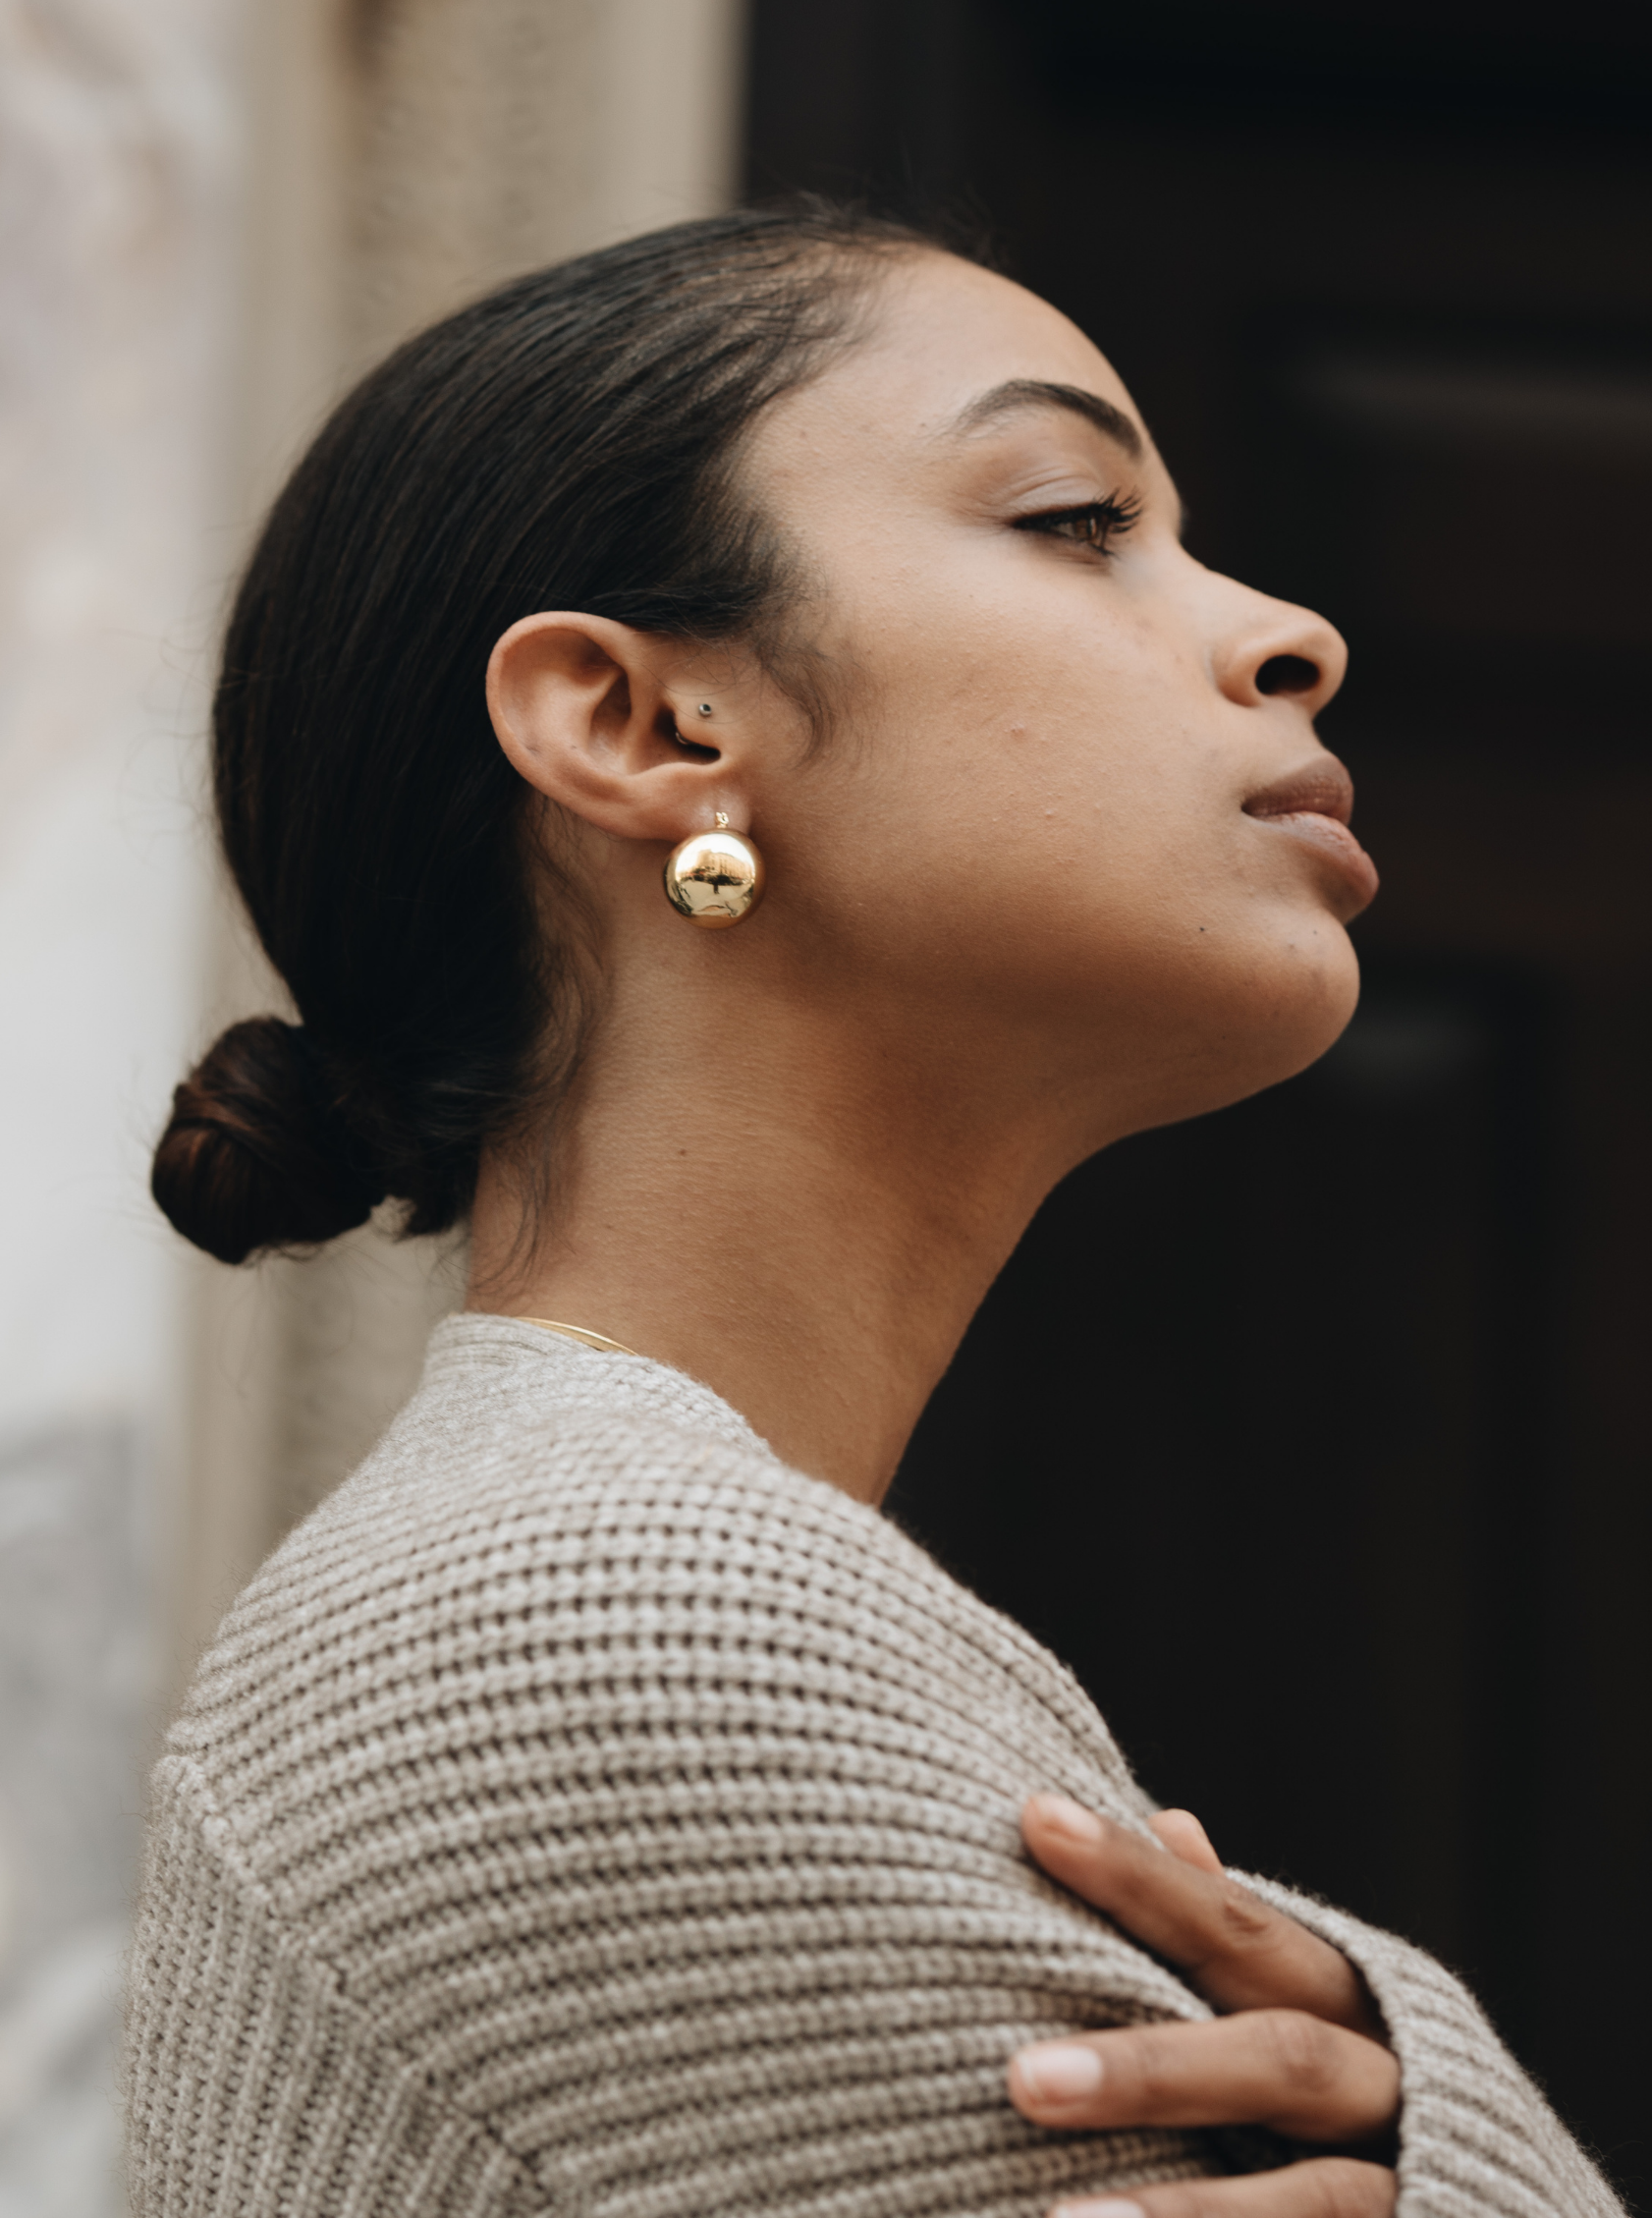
(1287, 674)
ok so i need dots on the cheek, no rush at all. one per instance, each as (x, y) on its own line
(1102, 802)
(1115, 915)
(1041, 825)
(1018, 785)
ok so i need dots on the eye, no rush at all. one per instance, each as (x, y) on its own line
(1096, 524)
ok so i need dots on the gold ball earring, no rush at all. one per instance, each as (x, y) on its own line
(714, 878)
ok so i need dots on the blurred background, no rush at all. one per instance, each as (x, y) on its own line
(1377, 1432)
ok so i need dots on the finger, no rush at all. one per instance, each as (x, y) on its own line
(1239, 1953)
(1281, 2068)
(1325, 2186)
(1184, 1836)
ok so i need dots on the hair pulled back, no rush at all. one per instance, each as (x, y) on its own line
(566, 442)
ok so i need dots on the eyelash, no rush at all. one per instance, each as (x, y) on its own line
(1102, 522)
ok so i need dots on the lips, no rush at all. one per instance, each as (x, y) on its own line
(1313, 805)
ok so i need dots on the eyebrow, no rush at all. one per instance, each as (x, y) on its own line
(1034, 393)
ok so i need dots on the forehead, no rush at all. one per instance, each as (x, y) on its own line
(940, 333)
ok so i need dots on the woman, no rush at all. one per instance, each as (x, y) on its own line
(595, 1806)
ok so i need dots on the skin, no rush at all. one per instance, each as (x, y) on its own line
(1066, 868)
(1299, 2047)
(1016, 908)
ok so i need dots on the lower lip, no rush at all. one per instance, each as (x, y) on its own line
(1335, 841)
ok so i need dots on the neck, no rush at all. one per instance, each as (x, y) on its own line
(808, 1243)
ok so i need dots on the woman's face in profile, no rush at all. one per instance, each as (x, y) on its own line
(1075, 801)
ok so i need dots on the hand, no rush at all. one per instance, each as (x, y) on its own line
(1299, 2048)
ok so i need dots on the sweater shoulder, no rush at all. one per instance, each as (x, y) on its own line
(540, 1520)
(558, 1573)
(661, 1805)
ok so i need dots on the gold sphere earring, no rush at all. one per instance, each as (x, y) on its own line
(714, 878)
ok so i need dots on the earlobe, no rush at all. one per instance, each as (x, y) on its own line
(584, 710)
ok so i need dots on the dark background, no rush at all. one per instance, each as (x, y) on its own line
(1316, 1435)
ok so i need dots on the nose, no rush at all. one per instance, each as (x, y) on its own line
(1273, 647)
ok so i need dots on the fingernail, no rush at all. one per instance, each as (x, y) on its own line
(1059, 2072)
(1067, 1818)
(1109, 2207)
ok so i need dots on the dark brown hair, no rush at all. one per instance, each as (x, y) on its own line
(568, 442)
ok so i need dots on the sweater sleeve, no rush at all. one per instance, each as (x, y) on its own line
(1476, 2137)
(623, 1826)
(252, 2083)
(625, 1833)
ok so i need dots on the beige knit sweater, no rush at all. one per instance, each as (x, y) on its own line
(584, 1815)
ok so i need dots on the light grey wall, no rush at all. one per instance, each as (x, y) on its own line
(119, 235)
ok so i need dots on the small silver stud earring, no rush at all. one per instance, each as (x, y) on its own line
(705, 708)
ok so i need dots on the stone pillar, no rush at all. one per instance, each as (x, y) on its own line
(507, 134)
(413, 152)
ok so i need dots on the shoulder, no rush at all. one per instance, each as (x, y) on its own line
(657, 1806)
(590, 1574)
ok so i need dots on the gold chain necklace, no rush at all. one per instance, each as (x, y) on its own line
(595, 1340)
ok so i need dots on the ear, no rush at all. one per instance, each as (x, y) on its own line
(605, 721)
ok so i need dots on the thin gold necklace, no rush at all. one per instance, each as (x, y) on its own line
(578, 1332)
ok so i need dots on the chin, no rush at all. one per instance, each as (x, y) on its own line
(1272, 1022)
(1306, 1015)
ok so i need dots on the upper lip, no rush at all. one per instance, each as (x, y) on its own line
(1321, 788)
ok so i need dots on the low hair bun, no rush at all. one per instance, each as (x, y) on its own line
(256, 1154)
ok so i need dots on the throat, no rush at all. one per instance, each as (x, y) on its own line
(815, 1292)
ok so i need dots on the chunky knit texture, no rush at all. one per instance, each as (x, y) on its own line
(583, 1813)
